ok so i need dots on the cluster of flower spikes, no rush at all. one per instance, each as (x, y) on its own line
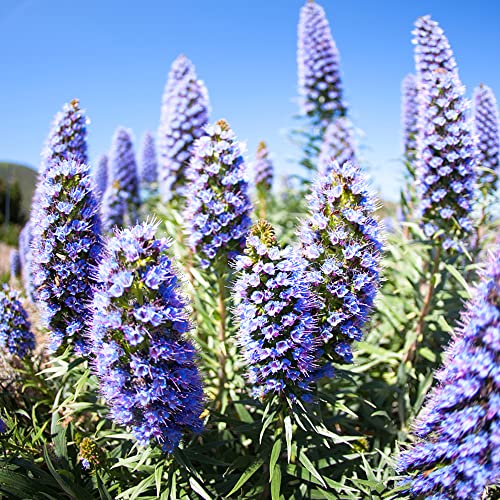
(276, 326)
(15, 263)
(121, 199)
(15, 329)
(26, 257)
(146, 366)
(100, 173)
(409, 115)
(218, 212)
(185, 110)
(66, 248)
(263, 169)
(148, 166)
(445, 166)
(320, 85)
(338, 142)
(458, 452)
(341, 240)
(486, 129)
(432, 51)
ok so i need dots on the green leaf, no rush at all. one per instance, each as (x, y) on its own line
(276, 482)
(275, 453)
(198, 488)
(288, 436)
(252, 469)
(304, 460)
(158, 476)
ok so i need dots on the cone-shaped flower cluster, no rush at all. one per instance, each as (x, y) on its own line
(263, 169)
(320, 86)
(26, 256)
(432, 51)
(458, 453)
(146, 366)
(218, 212)
(184, 115)
(121, 201)
(15, 264)
(338, 145)
(68, 137)
(486, 129)
(101, 176)
(147, 165)
(66, 247)
(276, 329)
(16, 336)
(409, 116)
(181, 69)
(341, 241)
(445, 161)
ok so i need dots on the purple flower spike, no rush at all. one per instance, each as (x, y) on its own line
(341, 241)
(432, 51)
(276, 327)
(218, 212)
(338, 145)
(263, 169)
(486, 129)
(26, 258)
(146, 365)
(320, 86)
(409, 116)
(184, 114)
(121, 200)
(101, 176)
(148, 166)
(66, 246)
(458, 451)
(16, 336)
(445, 166)
(15, 264)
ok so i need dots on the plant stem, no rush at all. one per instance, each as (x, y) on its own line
(410, 355)
(221, 333)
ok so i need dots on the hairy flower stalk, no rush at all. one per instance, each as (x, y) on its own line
(148, 166)
(146, 365)
(15, 264)
(432, 52)
(341, 241)
(100, 173)
(263, 171)
(320, 86)
(486, 131)
(121, 200)
(66, 246)
(16, 336)
(276, 326)
(445, 161)
(218, 212)
(185, 109)
(457, 453)
(338, 143)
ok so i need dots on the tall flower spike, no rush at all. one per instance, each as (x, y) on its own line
(338, 143)
(15, 264)
(341, 241)
(458, 452)
(409, 116)
(101, 176)
(218, 212)
(148, 166)
(320, 86)
(181, 69)
(486, 129)
(66, 246)
(432, 50)
(16, 336)
(445, 167)
(263, 171)
(146, 365)
(184, 114)
(26, 257)
(121, 200)
(276, 327)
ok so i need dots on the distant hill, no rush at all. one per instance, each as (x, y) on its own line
(25, 176)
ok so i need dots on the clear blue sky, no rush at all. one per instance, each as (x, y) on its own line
(114, 56)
